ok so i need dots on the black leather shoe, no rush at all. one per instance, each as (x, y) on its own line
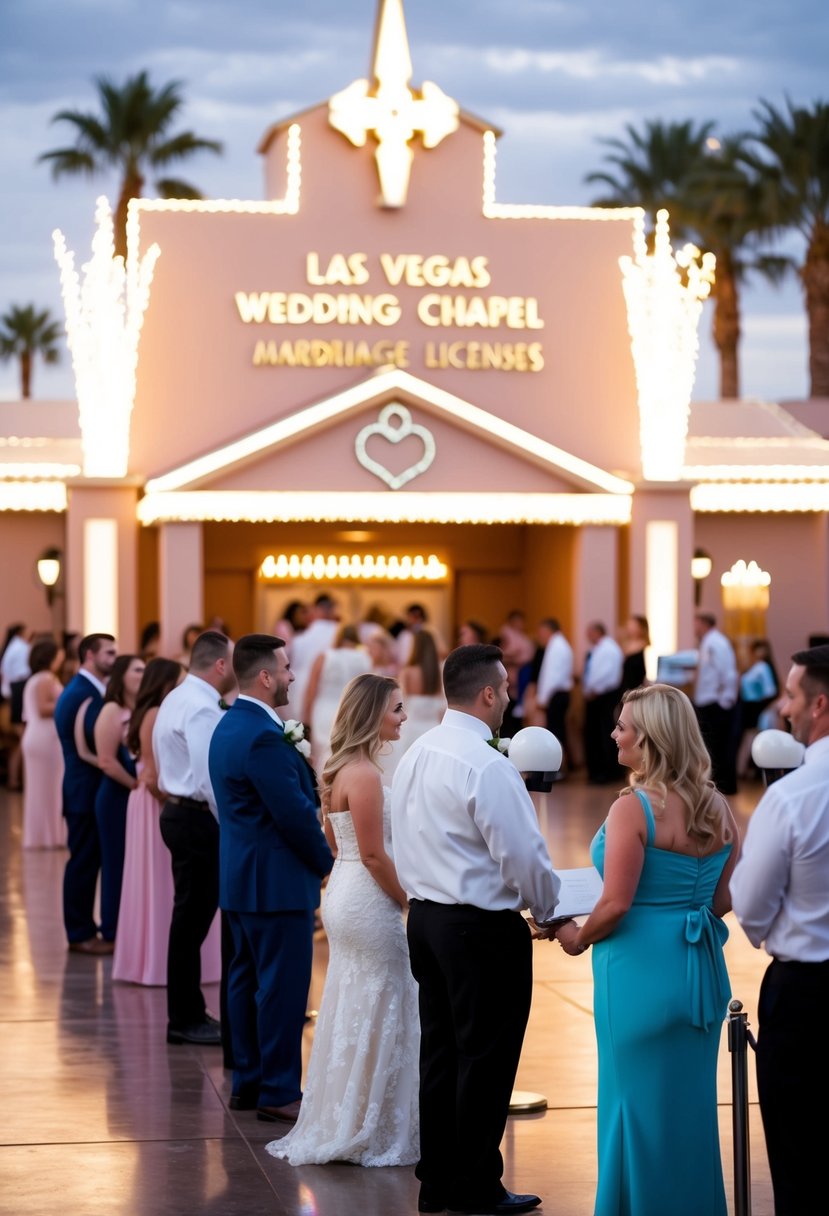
(203, 1034)
(507, 1206)
(429, 1200)
(243, 1102)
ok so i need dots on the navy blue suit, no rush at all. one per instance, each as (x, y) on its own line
(80, 787)
(272, 858)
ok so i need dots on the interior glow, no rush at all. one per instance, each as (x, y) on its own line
(265, 506)
(661, 594)
(745, 585)
(664, 294)
(759, 497)
(356, 566)
(32, 496)
(105, 307)
(392, 111)
(100, 576)
(357, 397)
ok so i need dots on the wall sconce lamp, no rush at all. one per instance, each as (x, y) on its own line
(701, 566)
(49, 566)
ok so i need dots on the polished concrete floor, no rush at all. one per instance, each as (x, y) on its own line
(98, 1115)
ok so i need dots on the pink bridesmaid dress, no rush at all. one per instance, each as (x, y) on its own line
(43, 824)
(147, 902)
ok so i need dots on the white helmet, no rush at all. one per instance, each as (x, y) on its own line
(776, 749)
(534, 749)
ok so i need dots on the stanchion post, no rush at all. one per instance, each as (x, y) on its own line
(739, 1037)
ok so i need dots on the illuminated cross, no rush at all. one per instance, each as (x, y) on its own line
(390, 109)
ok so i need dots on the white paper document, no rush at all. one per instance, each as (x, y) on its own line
(580, 890)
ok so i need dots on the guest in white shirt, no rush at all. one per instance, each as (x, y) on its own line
(555, 678)
(600, 687)
(715, 700)
(183, 729)
(14, 672)
(470, 856)
(305, 647)
(780, 895)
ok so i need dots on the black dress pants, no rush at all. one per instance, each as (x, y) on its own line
(600, 751)
(192, 836)
(474, 975)
(718, 727)
(792, 1082)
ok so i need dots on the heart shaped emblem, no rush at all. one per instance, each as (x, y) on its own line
(394, 423)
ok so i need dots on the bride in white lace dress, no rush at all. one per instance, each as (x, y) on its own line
(361, 1094)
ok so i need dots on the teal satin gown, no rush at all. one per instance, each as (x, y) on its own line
(661, 994)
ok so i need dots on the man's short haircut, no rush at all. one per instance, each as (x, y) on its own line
(468, 670)
(816, 676)
(708, 617)
(417, 610)
(207, 649)
(253, 653)
(551, 622)
(92, 643)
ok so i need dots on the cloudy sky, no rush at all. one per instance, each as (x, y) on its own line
(555, 75)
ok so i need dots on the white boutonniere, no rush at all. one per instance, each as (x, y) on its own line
(295, 734)
(500, 745)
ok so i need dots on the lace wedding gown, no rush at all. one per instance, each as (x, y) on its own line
(361, 1093)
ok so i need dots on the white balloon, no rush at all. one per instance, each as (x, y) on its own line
(534, 749)
(776, 749)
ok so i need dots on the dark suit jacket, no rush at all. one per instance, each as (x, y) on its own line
(272, 851)
(80, 780)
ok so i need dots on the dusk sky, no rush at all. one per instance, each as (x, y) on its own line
(555, 75)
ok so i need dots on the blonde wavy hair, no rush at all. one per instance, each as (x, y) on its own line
(356, 730)
(675, 757)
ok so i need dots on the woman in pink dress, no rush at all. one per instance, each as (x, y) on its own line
(147, 893)
(43, 824)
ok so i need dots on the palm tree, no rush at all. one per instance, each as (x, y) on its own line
(24, 333)
(726, 208)
(793, 162)
(132, 136)
(712, 198)
(652, 168)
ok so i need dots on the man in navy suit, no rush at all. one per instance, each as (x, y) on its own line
(97, 653)
(272, 858)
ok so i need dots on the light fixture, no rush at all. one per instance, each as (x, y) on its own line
(344, 567)
(700, 569)
(745, 585)
(49, 566)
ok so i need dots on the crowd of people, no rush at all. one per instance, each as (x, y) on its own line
(229, 797)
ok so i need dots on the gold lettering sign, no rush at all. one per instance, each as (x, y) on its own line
(451, 308)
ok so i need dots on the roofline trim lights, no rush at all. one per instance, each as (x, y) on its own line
(275, 506)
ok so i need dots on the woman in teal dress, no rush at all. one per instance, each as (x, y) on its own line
(665, 852)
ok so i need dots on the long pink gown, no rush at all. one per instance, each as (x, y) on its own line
(147, 902)
(43, 824)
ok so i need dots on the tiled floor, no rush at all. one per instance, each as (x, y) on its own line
(99, 1116)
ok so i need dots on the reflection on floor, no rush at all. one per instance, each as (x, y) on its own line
(99, 1115)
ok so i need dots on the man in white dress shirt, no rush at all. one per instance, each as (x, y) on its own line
(555, 677)
(305, 647)
(715, 700)
(600, 687)
(780, 894)
(470, 857)
(183, 729)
